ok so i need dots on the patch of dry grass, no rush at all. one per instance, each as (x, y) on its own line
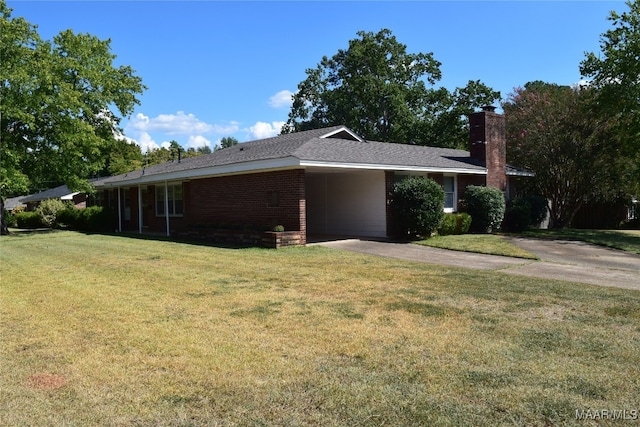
(104, 330)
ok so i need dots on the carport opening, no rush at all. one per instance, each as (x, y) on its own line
(345, 204)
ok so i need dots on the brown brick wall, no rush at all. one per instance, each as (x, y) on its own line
(259, 200)
(437, 177)
(466, 180)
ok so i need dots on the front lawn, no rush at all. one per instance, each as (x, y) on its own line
(118, 331)
(491, 244)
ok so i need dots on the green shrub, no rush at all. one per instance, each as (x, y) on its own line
(539, 209)
(9, 219)
(94, 218)
(48, 211)
(97, 218)
(524, 212)
(69, 217)
(455, 224)
(418, 204)
(517, 216)
(28, 220)
(486, 206)
(278, 228)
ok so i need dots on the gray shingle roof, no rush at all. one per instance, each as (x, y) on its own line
(14, 202)
(264, 149)
(52, 193)
(384, 153)
(337, 146)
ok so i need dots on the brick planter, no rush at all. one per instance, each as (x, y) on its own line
(267, 239)
(279, 239)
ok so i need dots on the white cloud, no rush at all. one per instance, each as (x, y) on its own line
(179, 126)
(171, 124)
(281, 99)
(144, 140)
(225, 130)
(265, 130)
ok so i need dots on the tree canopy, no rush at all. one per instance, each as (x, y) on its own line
(62, 102)
(574, 150)
(384, 93)
(226, 142)
(615, 72)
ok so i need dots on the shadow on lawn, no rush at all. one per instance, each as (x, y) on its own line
(183, 240)
(626, 240)
(19, 233)
(25, 232)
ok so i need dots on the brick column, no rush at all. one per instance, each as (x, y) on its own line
(487, 143)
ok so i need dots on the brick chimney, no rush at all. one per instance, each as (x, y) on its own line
(487, 143)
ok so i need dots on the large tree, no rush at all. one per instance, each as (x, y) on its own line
(574, 151)
(615, 72)
(61, 104)
(384, 93)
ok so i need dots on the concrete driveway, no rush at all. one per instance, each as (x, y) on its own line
(561, 260)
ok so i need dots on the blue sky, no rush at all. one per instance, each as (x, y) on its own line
(216, 69)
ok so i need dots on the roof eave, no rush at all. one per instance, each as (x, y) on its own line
(188, 174)
(374, 166)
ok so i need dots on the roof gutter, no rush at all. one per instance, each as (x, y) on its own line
(138, 177)
(188, 174)
(373, 166)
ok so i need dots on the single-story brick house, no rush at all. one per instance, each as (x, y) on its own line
(317, 182)
(13, 203)
(61, 192)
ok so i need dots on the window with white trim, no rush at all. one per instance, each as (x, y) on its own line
(175, 200)
(449, 187)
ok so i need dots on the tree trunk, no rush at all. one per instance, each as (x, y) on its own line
(574, 212)
(4, 230)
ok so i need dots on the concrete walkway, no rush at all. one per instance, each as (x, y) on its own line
(561, 260)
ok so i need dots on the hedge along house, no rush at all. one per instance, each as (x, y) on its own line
(320, 182)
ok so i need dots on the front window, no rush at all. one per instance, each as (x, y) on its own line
(449, 186)
(111, 202)
(175, 200)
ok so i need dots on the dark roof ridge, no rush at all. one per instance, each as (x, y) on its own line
(305, 134)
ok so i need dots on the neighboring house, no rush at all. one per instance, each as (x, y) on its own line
(324, 181)
(62, 192)
(13, 203)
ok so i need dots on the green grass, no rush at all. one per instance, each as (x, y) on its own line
(115, 331)
(481, 243)
(626, 240)
(494, 244)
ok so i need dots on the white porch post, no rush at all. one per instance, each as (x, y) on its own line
(140, 209)
(166, 205)
(119, 212)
